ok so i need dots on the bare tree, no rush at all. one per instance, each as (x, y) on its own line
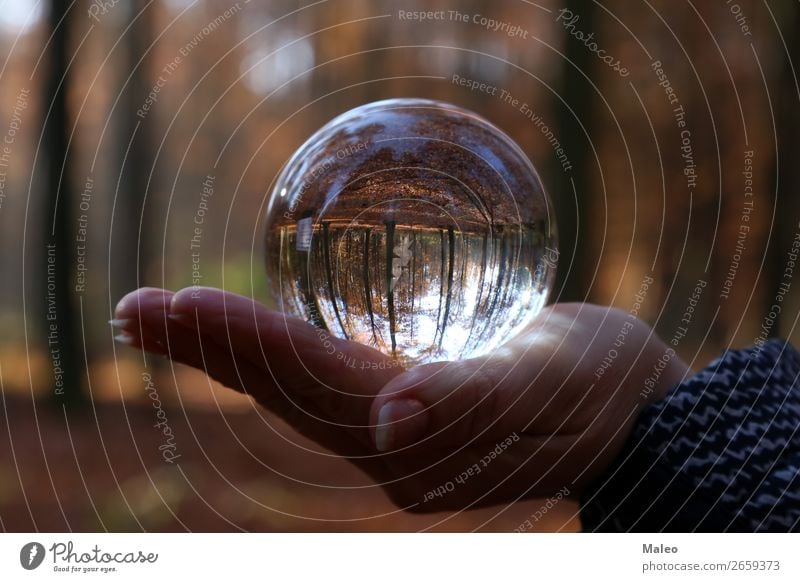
(130, 248)
(61, 331)
(572, 208)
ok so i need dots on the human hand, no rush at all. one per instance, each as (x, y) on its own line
(531, 418)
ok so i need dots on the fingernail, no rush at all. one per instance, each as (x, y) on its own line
(122, 324)
(125, 338)
(400, 423)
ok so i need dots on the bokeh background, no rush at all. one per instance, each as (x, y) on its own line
(112, 114)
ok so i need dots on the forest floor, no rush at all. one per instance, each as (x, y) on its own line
(99, 468)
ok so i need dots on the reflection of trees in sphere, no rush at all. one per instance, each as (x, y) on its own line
(412, 226)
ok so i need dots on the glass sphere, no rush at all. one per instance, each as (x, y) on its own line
(412, 226)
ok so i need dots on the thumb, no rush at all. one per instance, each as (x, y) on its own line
(448, 405)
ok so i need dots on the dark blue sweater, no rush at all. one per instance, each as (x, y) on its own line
(720, 453)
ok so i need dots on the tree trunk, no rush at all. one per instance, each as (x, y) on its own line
(572, 209)
(131, 249)
(63, 337)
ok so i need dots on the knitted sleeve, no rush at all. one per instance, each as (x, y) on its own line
(720, 453)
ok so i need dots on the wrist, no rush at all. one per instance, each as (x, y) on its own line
(662, 371)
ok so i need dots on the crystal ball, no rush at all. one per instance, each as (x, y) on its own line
(415, 227)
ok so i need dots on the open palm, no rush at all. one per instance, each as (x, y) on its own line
(532, 417)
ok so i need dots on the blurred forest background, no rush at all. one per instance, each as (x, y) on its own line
(114, 113)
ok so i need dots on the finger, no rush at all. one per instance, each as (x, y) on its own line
(441, 403)
(295, 359)
(448, 404)
(129, 310)
(341, 377)
(144, 318)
